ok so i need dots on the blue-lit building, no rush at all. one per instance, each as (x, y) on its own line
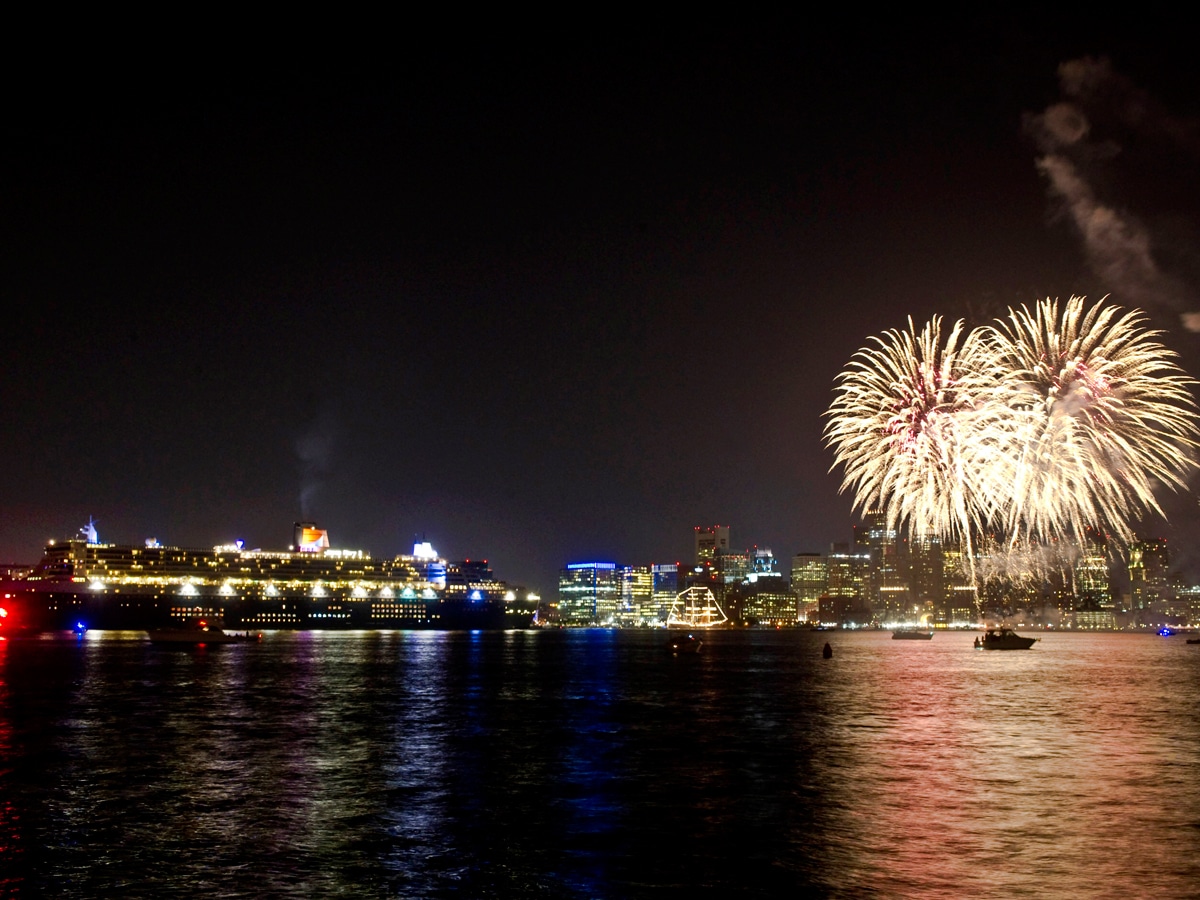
(666, 587)
(589, 593)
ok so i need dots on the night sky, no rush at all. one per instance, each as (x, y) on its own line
(540, 305)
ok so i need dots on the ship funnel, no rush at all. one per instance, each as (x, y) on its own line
(308, 538)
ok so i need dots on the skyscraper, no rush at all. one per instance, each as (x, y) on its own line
(588, 593)
(810, 580)
(887, 582)
(844, 601)
(666, 586)
(1148, 583)
(765, 597)
(926, 564)
(1093, 593)
(710, 541)
(636, 604)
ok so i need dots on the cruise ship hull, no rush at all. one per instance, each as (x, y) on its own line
(63, 608)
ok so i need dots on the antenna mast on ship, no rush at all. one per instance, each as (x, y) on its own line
(89, 531)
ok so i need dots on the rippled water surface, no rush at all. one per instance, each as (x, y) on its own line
(596, 764)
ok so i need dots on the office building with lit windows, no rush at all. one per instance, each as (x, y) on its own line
(711, 541)
(636, 603)
(1149, 587)
(810, 579)
(589, 593)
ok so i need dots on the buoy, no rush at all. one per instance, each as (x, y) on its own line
(827, 652)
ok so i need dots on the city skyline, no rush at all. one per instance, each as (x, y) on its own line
(538, 304)
(885, 578)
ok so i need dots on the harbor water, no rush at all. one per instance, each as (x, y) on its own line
(597, 764)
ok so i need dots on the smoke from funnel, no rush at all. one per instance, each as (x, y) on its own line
(314, 451)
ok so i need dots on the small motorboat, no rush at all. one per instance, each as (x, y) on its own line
(912, 634)
(1193, 640)
(199, 631)
(684, 643)
(1005, 639)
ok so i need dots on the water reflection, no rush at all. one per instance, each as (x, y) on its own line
(595, 764)
(12, 847)
(1018, 774)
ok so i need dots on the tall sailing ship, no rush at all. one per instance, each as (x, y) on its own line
(84, 583)
(696, 607)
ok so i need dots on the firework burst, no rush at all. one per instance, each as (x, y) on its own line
(1034, 429)
(1099, 416)
(905, 425)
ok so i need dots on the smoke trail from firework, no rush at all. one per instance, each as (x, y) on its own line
(1021, 562)
(1027, 564)
(1080, 138)
(1034, 428)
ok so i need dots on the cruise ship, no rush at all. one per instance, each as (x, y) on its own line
(83, 583)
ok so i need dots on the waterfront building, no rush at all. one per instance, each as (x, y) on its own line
(760, 596)
(886, 584)
(1094, 605)
(766, 599)
(959, 593)
(665, 588)
(766, 603)
(1092, 585)
(1189, 599)
(847, 572)
(636, 603)
(1149, 585)
(810, 579)
(927, 577)
(612, 594)
(844, 602)
(844, 611)
(1175, 609)
(589, 593)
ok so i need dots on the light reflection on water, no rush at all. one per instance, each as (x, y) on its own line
(595, 764)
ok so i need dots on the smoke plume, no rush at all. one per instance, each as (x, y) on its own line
(1077, 157)
(314, 452)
